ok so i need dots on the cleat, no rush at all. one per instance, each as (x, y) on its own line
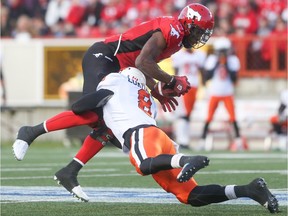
(189, 169)
(259, 192)
(25, 137)
(80, 194)
(20, 148)
(68, 180)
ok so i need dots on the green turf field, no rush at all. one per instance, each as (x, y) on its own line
(114, 188)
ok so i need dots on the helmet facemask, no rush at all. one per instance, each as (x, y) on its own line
(197, 37)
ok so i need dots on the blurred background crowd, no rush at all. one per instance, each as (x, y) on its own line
(22, 19)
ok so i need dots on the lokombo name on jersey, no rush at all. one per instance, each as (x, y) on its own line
(134, 81)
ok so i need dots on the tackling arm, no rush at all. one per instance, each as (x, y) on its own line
(91, 101)
(146, 61)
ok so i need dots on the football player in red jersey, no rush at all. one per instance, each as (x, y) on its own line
(143, 47)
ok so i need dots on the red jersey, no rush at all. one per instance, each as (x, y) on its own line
(132, 41)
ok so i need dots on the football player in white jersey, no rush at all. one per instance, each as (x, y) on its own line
(279, 123)
(222, 67)
(189, 63)
(129, 111)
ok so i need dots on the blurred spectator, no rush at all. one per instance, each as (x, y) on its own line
(169, 9)
(280, 33)
(144, 12)
(23, 31)
(39, 29)
(16, 9)
(157, 8)
(223, 28)
(57, 10)
(75, 13)
(56, 16)
(271, 9)
(255, 59)
(34, 8)
(93, 12)
(113, 12)
(6, 28)
(245, 18)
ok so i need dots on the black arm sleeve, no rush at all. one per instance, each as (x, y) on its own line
(281, 108)
(233, 76)
(91, 101)
(206, 75)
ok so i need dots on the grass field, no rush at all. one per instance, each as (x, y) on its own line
(114, 188)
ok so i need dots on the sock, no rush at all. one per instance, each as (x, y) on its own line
(205, 130)
(89, 148)
(36, 131)
(236, 128)
(74, 166)
(230, 192)
(241, 191)
(69, 119)
(175, 161)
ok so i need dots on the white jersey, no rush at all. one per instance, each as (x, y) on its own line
(130, 106)
(221, 83)
(188, 64)
(284, 101)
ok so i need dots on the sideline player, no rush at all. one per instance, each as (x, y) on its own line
(143, 47)
(222, 68)
(130, 114)
(186, 62)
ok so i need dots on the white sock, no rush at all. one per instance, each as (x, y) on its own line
(175, 161)
(45, 128)
(230, 192)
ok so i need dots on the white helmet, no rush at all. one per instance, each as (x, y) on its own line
(222, 43)
(134, 74)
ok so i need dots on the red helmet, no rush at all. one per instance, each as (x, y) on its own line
(198, 23)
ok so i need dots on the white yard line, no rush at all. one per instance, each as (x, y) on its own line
(133, 173)
(11, 194)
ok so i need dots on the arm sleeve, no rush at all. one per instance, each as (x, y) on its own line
(209, 67)
(91, 101)
(233, 66)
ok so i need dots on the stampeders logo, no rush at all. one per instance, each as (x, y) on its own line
(191, 14)
(174, 32)
(97, 55)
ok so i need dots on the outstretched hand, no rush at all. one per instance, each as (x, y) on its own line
(167, 103)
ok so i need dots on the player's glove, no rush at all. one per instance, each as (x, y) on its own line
(178, 86)
(167, 103)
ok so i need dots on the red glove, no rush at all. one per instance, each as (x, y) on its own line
(169, 103)
(178, 86)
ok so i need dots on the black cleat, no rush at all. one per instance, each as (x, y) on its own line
(259, 192)
(189, 169)
(69, 181)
